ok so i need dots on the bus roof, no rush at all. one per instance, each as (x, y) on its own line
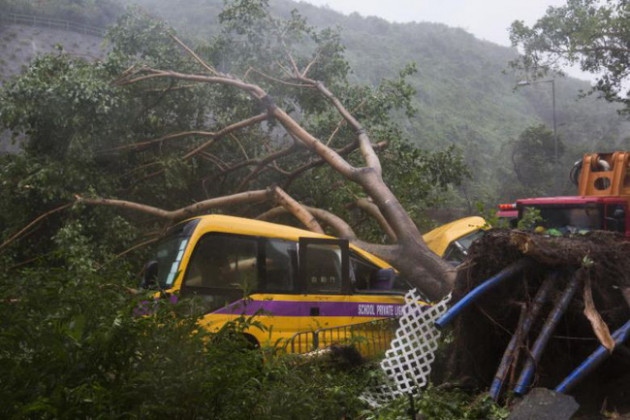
(243, 226)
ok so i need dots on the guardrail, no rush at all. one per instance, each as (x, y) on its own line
(370, 338)
(49, 22)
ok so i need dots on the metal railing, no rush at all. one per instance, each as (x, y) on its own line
(370, 338)
(49, 22)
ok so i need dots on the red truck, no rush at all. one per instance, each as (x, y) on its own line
(603, 182)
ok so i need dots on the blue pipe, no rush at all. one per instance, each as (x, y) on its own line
(594, 360)
(525, 324)
(545, 334)
(508, 272)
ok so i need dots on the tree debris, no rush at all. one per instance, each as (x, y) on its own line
(490, 341)
(600, 328)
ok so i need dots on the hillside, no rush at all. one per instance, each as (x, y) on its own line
(20, 43)
(464, 95)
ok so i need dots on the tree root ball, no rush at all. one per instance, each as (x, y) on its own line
(482, 332)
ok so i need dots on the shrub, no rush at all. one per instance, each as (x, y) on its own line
(71, 347)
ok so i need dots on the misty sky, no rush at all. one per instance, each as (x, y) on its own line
(486, 19)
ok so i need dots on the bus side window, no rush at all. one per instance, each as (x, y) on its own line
(280, 265)
(361, 273)
(223, 262)
(367, 277)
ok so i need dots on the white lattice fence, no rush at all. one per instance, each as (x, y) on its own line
(407, 364)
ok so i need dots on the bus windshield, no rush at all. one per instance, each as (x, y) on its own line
(170, 251)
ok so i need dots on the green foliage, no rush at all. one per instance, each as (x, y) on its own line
(462, 96)
(590, 33)
(436, 403)
(72, 347)
(531, 217)
(81, 129)
(491, 216)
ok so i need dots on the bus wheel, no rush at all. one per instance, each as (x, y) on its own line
(252, 343)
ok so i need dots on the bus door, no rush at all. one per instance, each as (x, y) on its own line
(324, 282)
(378, 295)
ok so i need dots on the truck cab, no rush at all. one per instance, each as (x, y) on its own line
(578, 214)
(603, 182)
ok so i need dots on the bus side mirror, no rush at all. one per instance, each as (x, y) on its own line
(149, 280)
(382, 279)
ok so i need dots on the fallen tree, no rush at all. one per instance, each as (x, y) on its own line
(262, 116)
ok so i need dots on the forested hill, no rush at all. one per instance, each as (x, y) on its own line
(465, 92)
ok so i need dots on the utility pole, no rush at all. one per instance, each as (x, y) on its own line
(553, 108)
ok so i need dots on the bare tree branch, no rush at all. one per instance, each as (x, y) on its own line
(127, 251)
(226, 130)
(342, 122)
(215, 160)
(341, 228)
(369, 155)
(33, 223)
(293, 175)
(240, 145)
(203, 63)
(310, 64)
(262, 163)
(143, 144)
(296, 209)
(279, 81)
(184, 212)
(147, 73)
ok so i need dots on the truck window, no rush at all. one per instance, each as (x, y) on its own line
(457, 251)
(568, 219)
(616, 218)
(366, 277)
(223, 262)
(454, 254)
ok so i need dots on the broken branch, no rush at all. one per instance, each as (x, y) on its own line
(184, 212)
(33, 223)
(296, 209)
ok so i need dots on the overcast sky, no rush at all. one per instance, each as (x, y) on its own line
(486, 19)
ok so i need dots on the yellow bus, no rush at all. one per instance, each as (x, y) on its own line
(296, 282)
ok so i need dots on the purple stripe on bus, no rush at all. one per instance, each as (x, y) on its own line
(300, 308)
